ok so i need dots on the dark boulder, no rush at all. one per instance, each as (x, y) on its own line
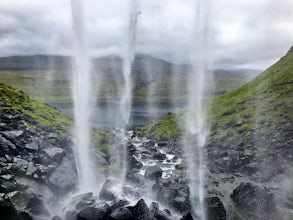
(156, 213)
(122, 213)
(153, 172)
(32, 146)
(118, 204)
(71, 215)
(64, 177)
(108, 190)
(84, 200)
(92, 213)
(254, 201)
(36, 205)
(134, 163)
(215, 209)
(163, 144)
(140, 210)
(54, 153)
(187, 216)
(159, 156)
(172, 194)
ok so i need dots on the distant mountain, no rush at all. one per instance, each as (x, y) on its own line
(152, 77)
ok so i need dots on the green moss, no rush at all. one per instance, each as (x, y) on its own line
(165, 128)
(39, 113)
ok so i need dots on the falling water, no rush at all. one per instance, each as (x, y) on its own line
(196, 132)
(128, 59)
(125, 101)
(81, 90)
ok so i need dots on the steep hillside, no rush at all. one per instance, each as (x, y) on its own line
(250, 145)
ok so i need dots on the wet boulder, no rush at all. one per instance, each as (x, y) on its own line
(159, 156)
(36, 205)
(254, 201)
(140, 210)
(187, 216)
(153, 172)
(64, 177)
(215, 209)
(108, 191)
(172, 194)
(92, 213)
(122, 213)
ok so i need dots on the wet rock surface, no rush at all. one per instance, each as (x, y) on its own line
(33, 167)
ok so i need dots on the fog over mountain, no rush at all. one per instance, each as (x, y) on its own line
(243, 33)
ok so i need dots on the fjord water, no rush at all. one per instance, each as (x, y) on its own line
(81, 91)
(195, 122)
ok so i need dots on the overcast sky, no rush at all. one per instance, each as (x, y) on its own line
(241, 33)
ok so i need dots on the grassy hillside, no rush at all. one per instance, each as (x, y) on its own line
(43, 118)
(265, 101)
(39, 115)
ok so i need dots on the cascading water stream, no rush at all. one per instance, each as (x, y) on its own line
(81, 91)
(195, 125)
(125, 101)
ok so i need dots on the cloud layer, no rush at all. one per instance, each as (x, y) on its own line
(242, 33)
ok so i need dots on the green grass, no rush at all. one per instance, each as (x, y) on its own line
(42, 116)
(266, 100)
(14, 101)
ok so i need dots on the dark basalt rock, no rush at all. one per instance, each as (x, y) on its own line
(92, 213)
(163, 144)
(254, 201)
(64, 177)
(134, 163)
(140, 210)
(118, 204)
(36, 205)
(8, 211)
(153, 172)
(172, 194)
(187, 216)
(215, 209)
(71, 215)
(83, 201)
(122, 213)
(159, 156)
(56, 217)
(107, 191)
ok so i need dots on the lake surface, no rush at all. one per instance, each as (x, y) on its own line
(107, 115)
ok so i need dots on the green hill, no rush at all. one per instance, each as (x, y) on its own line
(255, 118)
(250, 141)
(267, 99)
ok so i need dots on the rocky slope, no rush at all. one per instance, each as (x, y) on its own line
(35, 154)
(249, 148)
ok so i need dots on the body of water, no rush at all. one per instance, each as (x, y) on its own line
(107, 115)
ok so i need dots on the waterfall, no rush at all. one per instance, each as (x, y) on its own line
(195, 122)
(126, 96)
(81, 91)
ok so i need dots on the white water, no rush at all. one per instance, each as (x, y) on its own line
(125, 100)
(195, 125)
(81, 90)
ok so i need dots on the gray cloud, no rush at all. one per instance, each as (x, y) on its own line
(243, 33)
